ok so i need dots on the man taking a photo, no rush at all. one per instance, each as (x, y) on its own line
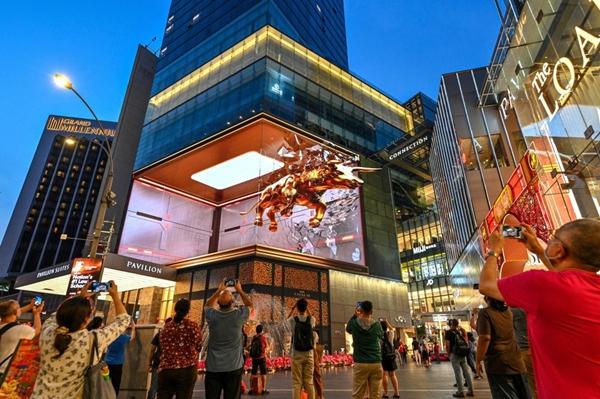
(562, 306)
(366, 341)
(11, 332)
(225, 357)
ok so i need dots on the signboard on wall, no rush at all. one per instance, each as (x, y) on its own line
(83, 271)
(406, 148)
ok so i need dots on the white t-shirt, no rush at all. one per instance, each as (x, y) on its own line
(10, 339)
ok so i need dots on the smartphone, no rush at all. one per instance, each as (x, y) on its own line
(512, 231)
(359, 305)
(37, 300)
(230, 282)
(99, 287)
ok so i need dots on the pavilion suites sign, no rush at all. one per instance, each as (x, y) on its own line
(563, 76)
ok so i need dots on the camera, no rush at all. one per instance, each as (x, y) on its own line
(359, 305)
(37, 300)
(99, 287)
(230, 282)
(512, 231)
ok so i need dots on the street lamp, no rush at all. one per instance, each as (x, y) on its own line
(108, 196)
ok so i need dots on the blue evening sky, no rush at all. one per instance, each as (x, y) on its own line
(400, 46)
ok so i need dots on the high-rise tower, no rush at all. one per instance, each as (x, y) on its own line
(244, 167)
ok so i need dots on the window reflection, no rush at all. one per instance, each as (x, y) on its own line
(486, 151)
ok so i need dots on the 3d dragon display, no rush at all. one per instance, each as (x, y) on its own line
(312, 173)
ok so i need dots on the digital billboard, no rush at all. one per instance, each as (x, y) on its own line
(285, 192)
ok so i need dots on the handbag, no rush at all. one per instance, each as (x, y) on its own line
(97, 378)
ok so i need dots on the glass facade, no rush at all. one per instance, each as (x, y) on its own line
(423, 264)
(549, 87)
(543, 83)
(268, 72)
(471, 158)
(197, 31)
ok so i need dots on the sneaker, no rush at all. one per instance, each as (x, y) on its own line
(458, 394)
(470, 393)
(265, 392)
(465, 385)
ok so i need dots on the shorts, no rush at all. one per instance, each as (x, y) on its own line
(259, 364)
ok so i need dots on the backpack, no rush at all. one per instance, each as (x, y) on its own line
(256, 347)
(2, 331)
(461, 348)
(387, 350)
(303, 335)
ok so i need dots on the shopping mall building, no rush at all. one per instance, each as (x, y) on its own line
(519, 140)
(249, 167)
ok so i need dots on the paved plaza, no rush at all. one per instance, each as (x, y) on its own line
(415, 383)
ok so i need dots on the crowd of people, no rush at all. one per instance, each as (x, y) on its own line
(527, 341)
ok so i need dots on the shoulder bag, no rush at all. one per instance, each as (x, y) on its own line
(97, 378)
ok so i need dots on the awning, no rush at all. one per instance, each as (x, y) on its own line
(129, 274)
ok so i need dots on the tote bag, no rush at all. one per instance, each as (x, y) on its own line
(97, 378)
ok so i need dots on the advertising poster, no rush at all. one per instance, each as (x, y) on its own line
(83, 271)
(520, 202)
(22, 371)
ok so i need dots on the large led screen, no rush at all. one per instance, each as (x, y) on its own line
(339, 235)
(260, 186)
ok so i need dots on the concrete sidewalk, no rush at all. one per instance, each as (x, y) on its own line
(415, 383)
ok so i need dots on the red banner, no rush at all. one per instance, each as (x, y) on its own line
(22, 371)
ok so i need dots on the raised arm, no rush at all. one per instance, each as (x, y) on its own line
(245, 298)
(37, 318)
(291, 311)
(213, 298)
(533, 245)
(109, 333)
(488, 279)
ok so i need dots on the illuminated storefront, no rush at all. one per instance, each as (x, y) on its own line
(544, 84)
(550, 87)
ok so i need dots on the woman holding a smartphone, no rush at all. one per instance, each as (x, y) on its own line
(66, 344)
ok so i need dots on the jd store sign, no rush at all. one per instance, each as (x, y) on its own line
(552, 85)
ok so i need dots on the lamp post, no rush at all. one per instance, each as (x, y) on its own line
(108, 196)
